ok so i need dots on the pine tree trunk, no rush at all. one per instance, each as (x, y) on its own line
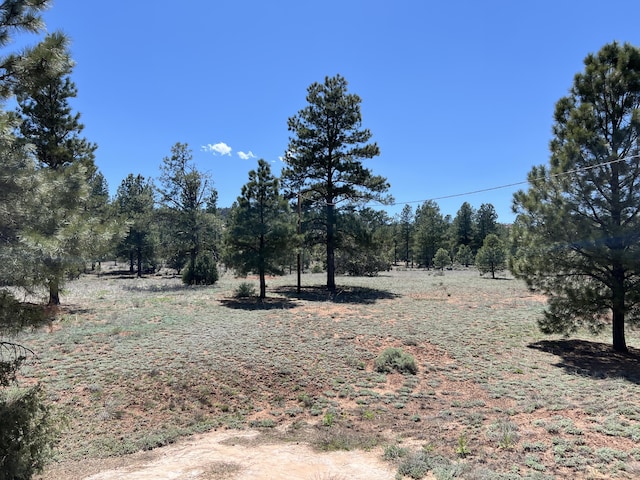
(192, 260)
(139, 262)
(331, 268)
(618, 310)
(263, 285)
(54, 292)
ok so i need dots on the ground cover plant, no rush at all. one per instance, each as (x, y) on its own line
(136, 363)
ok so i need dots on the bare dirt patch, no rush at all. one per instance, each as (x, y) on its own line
(237, 456)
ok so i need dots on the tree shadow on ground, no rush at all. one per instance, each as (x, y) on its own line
(70, 309)
(343, 294)
(162, 288)
(593, 359)
(254, 303)
(121, 274)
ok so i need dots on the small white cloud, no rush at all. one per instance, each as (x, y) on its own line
(246, 156)
(220, 148)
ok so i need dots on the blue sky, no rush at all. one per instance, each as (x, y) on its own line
(459, 95)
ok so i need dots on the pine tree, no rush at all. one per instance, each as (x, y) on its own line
(27, 426)
(134, 204)
(48, 121)
(441, 259)
(429, 232)
(577, 233)
(260, 230)
(492, 256)
(59, 235)
(406, 225)
(463, 225)
(365, 243)
(324, 158)
(186, 195)
(464, 255)
(485, 222)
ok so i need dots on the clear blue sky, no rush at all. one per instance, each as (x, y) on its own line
(459, 95)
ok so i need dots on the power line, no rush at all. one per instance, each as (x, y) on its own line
(499, 187)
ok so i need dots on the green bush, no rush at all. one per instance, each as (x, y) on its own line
(418, 464)
(244, 290)
(28, 431)
(394, 452)
(361, 263)
(395, 359)
(205, 271)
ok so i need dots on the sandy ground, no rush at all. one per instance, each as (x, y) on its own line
(235, 455)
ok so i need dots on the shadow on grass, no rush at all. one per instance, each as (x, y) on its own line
(75, 310)
(593, 359)
(122, 274)
(125, 274)
(173, 287)
(343, 294)
(254, 303)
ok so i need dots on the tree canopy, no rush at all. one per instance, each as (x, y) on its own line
(492, 256)
(27, 426)
(188, 198)
(260, 231)
(577, 233)
(324, 157)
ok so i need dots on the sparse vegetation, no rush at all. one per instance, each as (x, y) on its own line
(488, 392)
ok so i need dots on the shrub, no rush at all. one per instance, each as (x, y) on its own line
(504, 432)
(205, 271)
(361, 263)
(395, 359)
(420, 463)
(28, 430)
(244, 290)
(344, 438)
(394, 452)
(329, 419)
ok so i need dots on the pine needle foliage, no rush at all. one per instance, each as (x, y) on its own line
(260, 232)
(577, 234)
(324, 159)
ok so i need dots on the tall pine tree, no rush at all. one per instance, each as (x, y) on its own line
(260, 229)
(188, 200)
(577, 233)
(324, 158)
(27, 429)
(59, 234)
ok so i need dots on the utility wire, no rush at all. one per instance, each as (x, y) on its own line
(473, 192)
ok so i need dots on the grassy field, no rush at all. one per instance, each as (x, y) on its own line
(137, 363)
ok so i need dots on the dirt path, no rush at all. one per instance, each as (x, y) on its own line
(240, 456)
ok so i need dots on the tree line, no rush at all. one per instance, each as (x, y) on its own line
(173, 221)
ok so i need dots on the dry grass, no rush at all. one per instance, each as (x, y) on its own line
(138, 363)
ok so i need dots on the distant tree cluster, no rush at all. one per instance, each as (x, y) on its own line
(428, 239)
